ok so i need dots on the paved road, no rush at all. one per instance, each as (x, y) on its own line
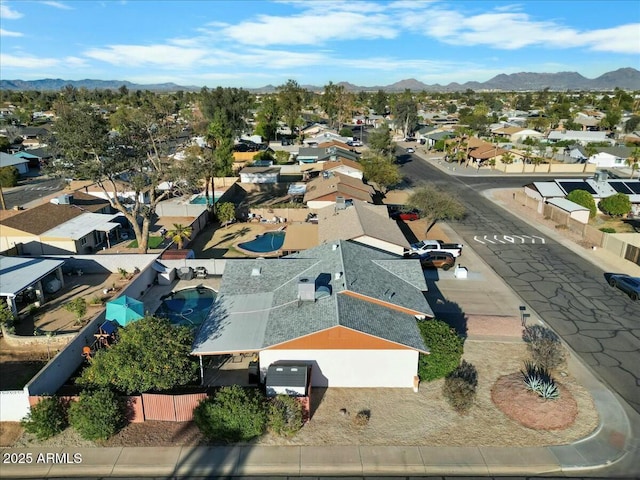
(32, 190)
(571, 294)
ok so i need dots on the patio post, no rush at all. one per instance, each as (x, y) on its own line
(201, 371)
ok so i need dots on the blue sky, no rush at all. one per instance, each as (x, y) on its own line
(254, 43)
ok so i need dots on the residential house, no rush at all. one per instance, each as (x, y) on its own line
(21, 164)
(358, 221)
(332, 153)
(583, 138)
(78, 223)
(589, 121)
(430, 139)
(518, 134)
(344, 166)
(123, 190)
(324, 137)
(259, 175)
(349, 311)
(329, 188)
(33, 137)
(611, 157)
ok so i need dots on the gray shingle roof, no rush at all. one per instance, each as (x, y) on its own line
(258, 311)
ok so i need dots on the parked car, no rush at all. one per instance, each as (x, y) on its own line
(628, 284)
(356, 143)
(426, 246)
(441, 260)
(406, 216)
(410, 150)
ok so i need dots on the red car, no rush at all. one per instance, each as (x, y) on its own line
(409, 216)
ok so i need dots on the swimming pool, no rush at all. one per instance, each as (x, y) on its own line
(267, 242)
(202, 200)
(188, 307)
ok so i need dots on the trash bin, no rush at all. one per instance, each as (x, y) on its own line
(254, 373)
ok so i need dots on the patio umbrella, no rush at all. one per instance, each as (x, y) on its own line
(124, 310)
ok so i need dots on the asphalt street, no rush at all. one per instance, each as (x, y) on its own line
(569, 293)
(32, 190)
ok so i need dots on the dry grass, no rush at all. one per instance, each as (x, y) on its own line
(9, 433)
(397, 416)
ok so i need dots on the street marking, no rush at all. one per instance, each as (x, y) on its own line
(509, 239)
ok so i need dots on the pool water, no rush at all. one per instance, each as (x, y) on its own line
(188, 307)
(202, 200)
(267, 242)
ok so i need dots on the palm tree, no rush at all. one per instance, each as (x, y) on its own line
(507, 158)
(179, 234)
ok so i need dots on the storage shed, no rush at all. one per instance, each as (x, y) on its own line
(259, 175)
(291, 379)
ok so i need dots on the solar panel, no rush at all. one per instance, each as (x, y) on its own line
(620, 187)
(571, 186)
(633, 186)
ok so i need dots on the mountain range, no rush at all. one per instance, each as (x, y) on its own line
(624, 78)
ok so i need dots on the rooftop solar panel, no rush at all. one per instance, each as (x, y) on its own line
(633, 186)
(571, 186)
(620, 187)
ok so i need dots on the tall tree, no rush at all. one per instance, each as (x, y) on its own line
(232, 103)
(380, 140)
(268, 114)
(133, 157)
(291, 99)
(379, 102)
(381, 170)
(179, 234)
(405, 113)
(634, 160)
(435, 204)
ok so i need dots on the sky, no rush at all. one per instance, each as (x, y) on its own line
(251, 44)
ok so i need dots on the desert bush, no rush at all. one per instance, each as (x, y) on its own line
(362, 418)
(608, 230)
(544, 346)
(97, 415)
(615, 205)
(460, 387)
(9, 176)
(233, 415)
(585, 199)
(539, 380)
(78, 307)
(561, 227)
(445, 346)
(284, 417)
(47, 418)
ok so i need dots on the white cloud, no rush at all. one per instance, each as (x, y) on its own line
(9, 33)
(27, 61)
(7, 13)
(59, 5)
(312, 28)
(165, 56)
(623, 39)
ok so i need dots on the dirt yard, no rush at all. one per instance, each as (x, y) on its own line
(216, 242)
(398, 416)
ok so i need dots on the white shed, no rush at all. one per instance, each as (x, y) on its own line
(577, 212)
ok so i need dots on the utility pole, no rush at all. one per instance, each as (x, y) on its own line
(4, 205)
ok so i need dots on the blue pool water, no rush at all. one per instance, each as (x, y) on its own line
(188, 307)
(202, 200)
(267, 242)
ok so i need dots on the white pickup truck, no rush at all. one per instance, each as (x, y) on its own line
(426, 246)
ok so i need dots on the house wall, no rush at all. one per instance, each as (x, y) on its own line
(606, 160)
(10, 237)
(580, 215)
(532, 193)
(381, 244)
(14, 405)
(352, 368)
(171, 208)
(317, 204)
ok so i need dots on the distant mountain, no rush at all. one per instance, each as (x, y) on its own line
(625, 78)
(55, 84)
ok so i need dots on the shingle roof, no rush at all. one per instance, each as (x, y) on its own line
(358, 220)
(256, 311)
(337, 182)
(38, 220)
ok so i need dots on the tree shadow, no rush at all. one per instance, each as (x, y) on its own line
(443, 309)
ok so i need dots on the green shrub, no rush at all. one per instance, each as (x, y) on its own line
(97, 415)
(47, 418)
(608, 230)
(539, 380)
(285, 415)
(544, 346)
(445, 346)
(78, 307)
(615, 205)
(9, 176)
(585, 199)
(460, 387)
(561, 227)
(233, 415)
(345, 132)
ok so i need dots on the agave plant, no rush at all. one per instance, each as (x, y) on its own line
(539, 380)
